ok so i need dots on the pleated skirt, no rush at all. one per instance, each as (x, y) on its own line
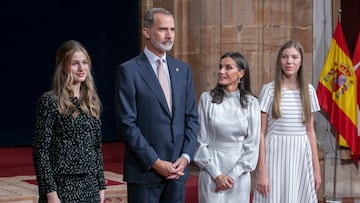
(290, 170)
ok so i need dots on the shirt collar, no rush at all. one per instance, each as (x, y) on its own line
(152, 57)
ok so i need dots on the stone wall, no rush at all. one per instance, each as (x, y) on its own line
(205, 29)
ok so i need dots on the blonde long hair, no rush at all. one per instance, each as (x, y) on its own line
(62, 82)
(302, 82)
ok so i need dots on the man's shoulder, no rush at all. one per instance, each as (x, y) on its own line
(137, 59)
(171, 59)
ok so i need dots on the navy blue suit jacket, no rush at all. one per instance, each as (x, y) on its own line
(144, 121)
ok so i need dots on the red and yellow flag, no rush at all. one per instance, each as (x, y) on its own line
(356, 63)
(337, 92)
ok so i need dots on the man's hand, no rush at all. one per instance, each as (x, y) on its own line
(164, 168)
(179, 165)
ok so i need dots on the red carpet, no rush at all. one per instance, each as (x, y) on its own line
(23, 189)
(17, 161)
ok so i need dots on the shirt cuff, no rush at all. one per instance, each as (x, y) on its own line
(186, 156)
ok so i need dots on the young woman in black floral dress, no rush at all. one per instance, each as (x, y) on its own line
(67, 151)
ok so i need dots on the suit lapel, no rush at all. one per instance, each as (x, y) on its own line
(147, 74)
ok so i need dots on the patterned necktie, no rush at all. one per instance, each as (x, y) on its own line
(164, 83)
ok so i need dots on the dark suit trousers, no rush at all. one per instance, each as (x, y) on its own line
(168, 191)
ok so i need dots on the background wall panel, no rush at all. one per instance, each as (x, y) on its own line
(31, 32)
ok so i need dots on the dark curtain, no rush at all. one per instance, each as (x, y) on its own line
(350, 22)
(31, 32)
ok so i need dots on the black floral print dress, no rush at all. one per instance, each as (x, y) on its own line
(67, 153)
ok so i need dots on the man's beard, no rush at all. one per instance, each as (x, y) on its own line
(160, 46)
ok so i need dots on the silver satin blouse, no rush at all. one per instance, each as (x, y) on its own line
(228, 143)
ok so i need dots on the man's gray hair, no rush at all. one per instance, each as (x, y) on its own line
(149, 16)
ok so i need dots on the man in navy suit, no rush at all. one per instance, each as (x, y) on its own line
(160, 138)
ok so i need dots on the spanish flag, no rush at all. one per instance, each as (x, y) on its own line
(337, 92)
(356, 63)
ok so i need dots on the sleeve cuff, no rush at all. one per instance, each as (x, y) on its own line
(186, 156)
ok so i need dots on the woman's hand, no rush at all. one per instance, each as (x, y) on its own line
(317, 179)
(262, 183)
(52, 197)
(102, 196)
(223, 182)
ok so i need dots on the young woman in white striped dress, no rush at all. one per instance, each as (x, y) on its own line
(288, 168)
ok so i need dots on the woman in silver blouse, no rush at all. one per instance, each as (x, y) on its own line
(229, 119)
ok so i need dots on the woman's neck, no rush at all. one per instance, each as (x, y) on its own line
(76, 90)
(290, 83)
(231, 88)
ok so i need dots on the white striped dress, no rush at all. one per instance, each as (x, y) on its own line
(288, 155)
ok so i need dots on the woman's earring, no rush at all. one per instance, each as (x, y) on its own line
(239, 80)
